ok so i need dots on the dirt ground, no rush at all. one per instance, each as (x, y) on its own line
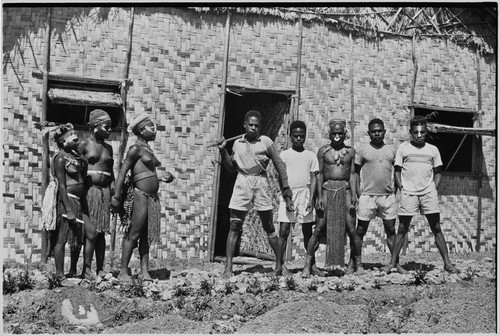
(190, 297)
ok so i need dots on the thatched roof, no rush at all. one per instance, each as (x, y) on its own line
(474, 26)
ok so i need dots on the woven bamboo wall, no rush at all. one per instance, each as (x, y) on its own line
(176, 68)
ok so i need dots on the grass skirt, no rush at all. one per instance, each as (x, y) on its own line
(99, 202)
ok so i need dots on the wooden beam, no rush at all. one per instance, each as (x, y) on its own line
(81, 81)
(393, 19)
(123, 124)
(299, 68)
(212, 230)
(431, 22)
(443, 108)
(479, 156)
(45, 248)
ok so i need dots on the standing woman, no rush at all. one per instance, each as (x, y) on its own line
(100, 170)
(144, 223)
(70, 171)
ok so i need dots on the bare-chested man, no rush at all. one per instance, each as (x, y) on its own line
(100, 157)
(336, 172)
(144, 226)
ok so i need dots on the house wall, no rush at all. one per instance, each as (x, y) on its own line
(176, 67)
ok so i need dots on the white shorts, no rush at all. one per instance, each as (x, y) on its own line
(251, 190)
(425, 204)
(300, 199)
(371, 206)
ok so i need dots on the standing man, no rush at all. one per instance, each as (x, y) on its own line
(417, 175)
(301, 169)
(336, 182)
(251, 155)
(374, 169)
(100, 157)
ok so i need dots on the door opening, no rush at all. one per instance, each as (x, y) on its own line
(273, 108)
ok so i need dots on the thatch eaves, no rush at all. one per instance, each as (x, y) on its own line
(474, 26)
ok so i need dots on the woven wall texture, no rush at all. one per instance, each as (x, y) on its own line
(176, 69)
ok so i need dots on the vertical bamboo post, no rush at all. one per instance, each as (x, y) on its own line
(412, 108)
(295, 116)
(351, 90)
(216, 180)
(124, 133)
(479, 151)
(45, 140)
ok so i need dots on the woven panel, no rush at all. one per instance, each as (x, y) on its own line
(176, 68)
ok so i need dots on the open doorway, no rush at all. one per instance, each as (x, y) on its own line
(274, 107)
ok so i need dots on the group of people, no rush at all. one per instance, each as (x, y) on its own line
(86, 192)
(363, 184)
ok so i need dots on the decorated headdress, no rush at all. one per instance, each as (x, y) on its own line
(98, 116)
(61, 132)
(337, 122)
(139, 122)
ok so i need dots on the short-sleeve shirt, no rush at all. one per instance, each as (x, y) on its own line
(299, 166)
(418, 165)
(376, 169)
(252, 157)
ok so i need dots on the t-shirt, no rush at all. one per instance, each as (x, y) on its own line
(252, 157)
(299, 166)
(417, 164)
(376, 176)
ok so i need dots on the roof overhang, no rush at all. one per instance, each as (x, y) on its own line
(84, 97)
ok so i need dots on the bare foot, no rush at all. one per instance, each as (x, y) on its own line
(306, 272)
(227, 274)
(317, 272)
(451, 269)
(286, 271)
(387, 269)
(350, 267)
(360, 269)
(71, 274)
(146, 277)
(401, 269)
(88, 275)
(101, 274)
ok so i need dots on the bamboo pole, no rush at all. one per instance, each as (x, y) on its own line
(351, 90)
(45, 140)
(295, 116)
(216, 180)
(479, 163)
(124, 133)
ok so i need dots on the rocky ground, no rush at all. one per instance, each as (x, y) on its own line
(191, 297)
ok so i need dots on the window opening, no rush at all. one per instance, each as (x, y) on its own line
(456, 149)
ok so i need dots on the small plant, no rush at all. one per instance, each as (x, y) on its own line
(180, 302)
(229, 288)
(54, 280)
(9, 283)
(470, 274)
(377, 283)
(291, 284)
(135, 288)
(206, 287)
(254, 286)
(182, 290)
(26, 281)
(419, 277)
(313, 285)
(274, 284)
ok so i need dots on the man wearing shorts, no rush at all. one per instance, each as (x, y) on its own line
(417, 175)
(374, 167)
(251, 156)
(301, 169)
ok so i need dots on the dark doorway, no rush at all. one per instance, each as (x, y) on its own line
(273, 107)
